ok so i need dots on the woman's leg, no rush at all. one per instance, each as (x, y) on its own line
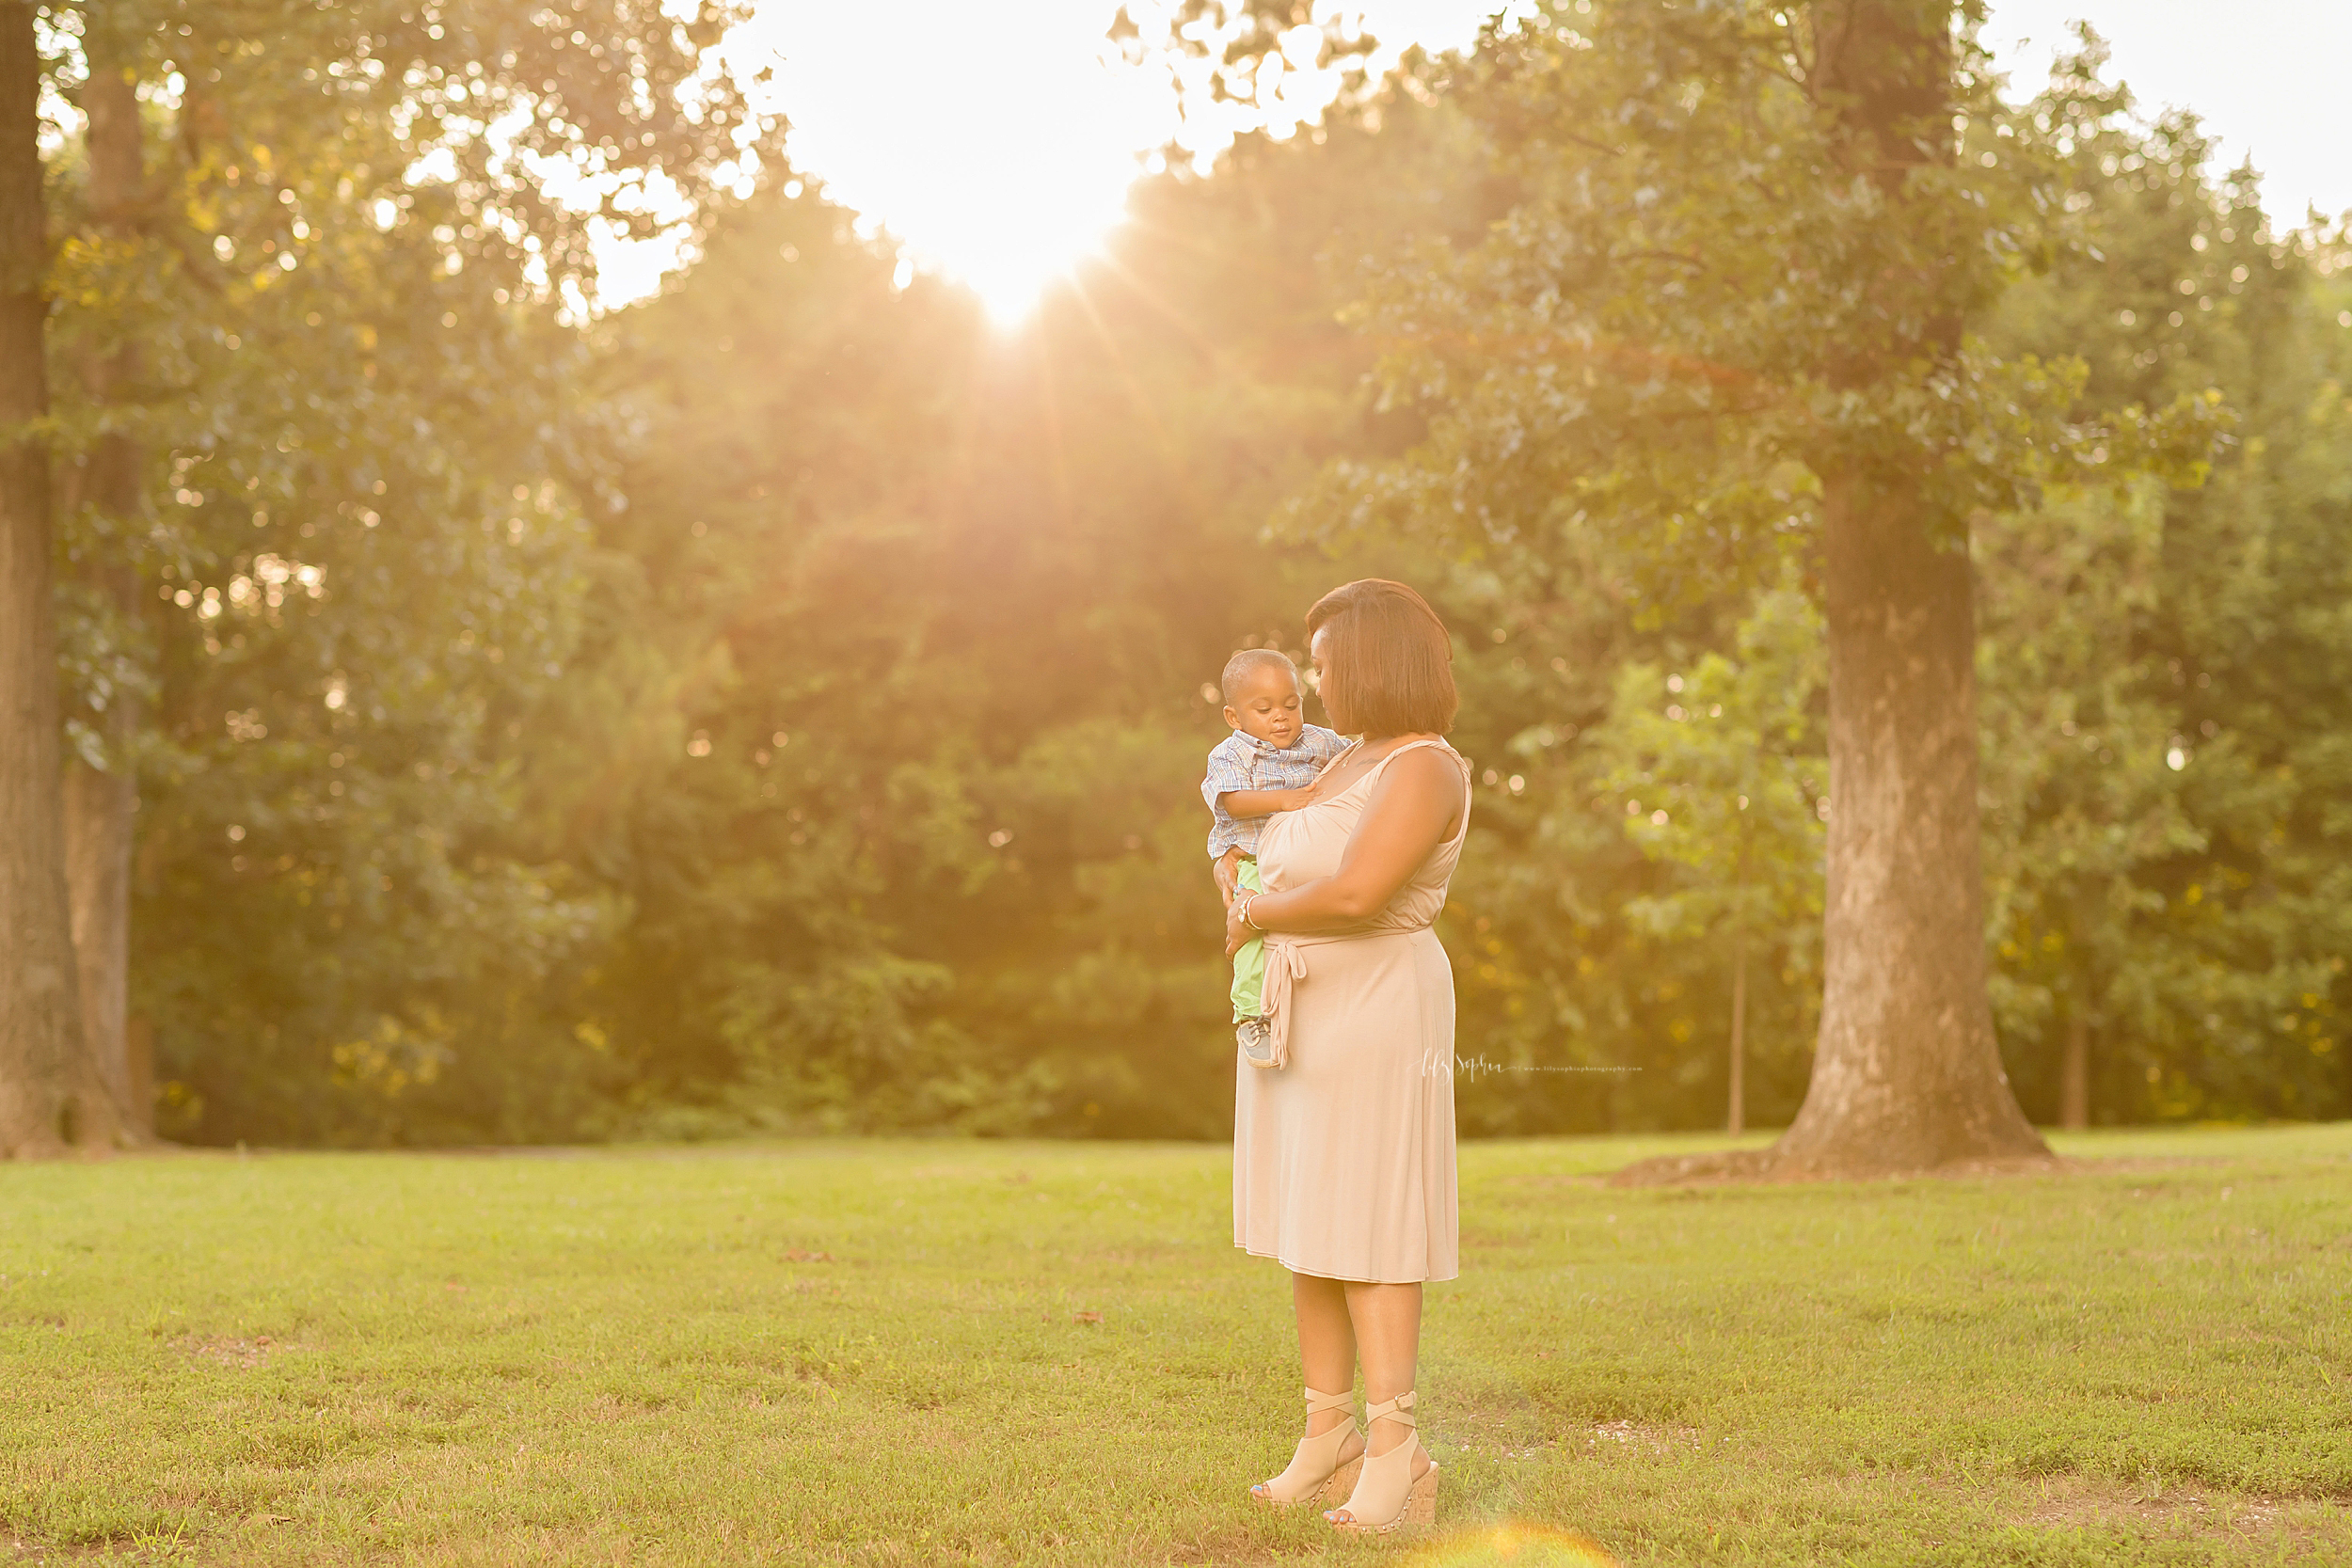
(1326, 1343)
(1387, 1323)
(1327, 1349)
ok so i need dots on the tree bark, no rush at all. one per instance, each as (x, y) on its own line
(1907, 1075)
(50, 1097)
(98, 824)
(2075, 1074)
(101, 803)
(1737, 1123)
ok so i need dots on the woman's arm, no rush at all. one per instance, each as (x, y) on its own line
(1405, 821)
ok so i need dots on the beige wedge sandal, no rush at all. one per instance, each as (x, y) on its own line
(1323, 1467)
(1388, 1495)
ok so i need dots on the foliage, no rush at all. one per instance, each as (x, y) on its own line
(1724, 779)
(1730, 754)
(778, 704)
(2166, 672)
(919, 620)
(744, 1353)
(1678, 327)
(340, 286)
(1646, 372)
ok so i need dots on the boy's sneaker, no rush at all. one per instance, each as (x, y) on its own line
(1257, 1041)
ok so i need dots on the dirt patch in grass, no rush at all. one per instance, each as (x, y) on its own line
(1646, 1436)
(221, 1350)
(2075, 1503)
(1759, 1167)
(1228, 1547)
(1756, 1166)
(1743, 1168)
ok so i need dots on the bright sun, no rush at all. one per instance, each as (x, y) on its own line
(995, 143)
(990, 140)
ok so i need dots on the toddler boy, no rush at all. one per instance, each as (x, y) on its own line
(1268, 764)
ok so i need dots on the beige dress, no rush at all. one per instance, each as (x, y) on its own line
(1344, 1157)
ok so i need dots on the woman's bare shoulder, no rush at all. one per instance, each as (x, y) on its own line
(1432, 754)
(1437, 772)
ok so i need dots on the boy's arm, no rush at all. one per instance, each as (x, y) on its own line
(1242, 803)
(1227, 772)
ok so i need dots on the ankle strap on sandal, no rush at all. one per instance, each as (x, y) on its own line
(1317, 1403)
(1399, 1409)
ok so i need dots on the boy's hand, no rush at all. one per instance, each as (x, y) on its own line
(1227, 870)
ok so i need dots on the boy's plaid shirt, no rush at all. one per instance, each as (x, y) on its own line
(1244, 762)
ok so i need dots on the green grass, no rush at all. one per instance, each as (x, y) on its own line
(647, 1355)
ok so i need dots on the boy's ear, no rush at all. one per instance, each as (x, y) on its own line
(1232, 720)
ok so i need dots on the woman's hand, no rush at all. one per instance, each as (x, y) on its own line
(1226, 868)
(1237, 933)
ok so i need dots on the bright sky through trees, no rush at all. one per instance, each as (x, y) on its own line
(997, 142)
(2265, 76)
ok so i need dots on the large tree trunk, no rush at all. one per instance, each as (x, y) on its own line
(1906, 1072)
(101, 803)
(49, 1095)
(1906, 1075)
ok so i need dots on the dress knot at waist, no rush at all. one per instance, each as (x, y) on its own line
(1286, 965)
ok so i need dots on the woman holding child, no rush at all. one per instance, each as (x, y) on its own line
(1343, 1119)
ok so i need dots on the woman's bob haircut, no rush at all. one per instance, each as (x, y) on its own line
(1388, 665)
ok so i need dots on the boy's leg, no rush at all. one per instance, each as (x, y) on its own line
(1249, 1029)
(1250, 958)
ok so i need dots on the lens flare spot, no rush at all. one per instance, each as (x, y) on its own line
(1516, 1546)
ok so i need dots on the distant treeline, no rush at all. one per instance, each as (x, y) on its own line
(781, 705)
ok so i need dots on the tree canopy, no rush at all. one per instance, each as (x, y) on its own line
(780, 704)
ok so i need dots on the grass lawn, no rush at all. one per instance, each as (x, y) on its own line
(945, 1352)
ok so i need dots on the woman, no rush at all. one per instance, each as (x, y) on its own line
(1344, 1157)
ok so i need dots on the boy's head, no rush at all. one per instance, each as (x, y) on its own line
(1262, 697)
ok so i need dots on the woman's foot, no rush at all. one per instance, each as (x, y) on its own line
(1326, 1461)
(1398, 1482)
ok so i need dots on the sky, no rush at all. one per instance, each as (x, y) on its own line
(2267, 78)
(995, 139)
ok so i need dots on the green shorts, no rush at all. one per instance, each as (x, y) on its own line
(1250, 958)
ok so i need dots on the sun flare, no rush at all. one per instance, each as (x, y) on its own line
(995, 143)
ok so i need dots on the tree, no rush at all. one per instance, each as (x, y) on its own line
(465, 812)
(101, 792)
(1733, 315)
(975, 583)
(2165, 671)
(356, 141)
(778, 704)
(51, 1097)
